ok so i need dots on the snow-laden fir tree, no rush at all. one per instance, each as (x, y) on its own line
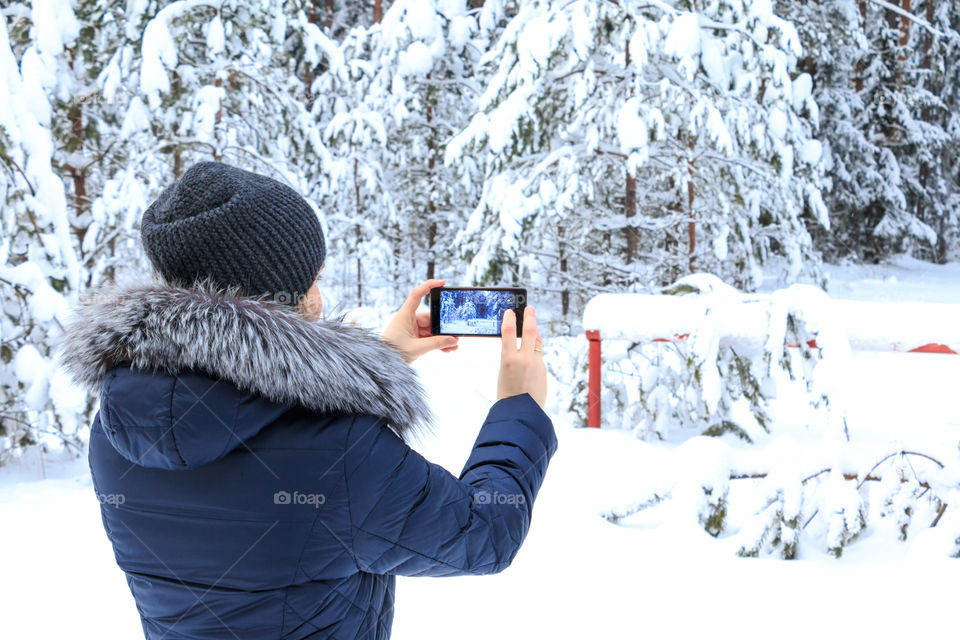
(428, 54)
(885, 78)
(408, 91)
(41, 265)
(910, 124)
(629, 143)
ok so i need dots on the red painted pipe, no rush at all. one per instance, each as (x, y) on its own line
(593, 397)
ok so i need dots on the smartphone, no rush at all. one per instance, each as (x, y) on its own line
(474, 311)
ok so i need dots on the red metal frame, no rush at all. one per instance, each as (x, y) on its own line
(593, 397)
(933, 348)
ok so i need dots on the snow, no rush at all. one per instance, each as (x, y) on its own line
(747, 319)
(683, 38)
(632, 126)
(777, 123)
(579, 575)
(712, 59)
(28, 363)
(45, 302)
(56, 25)
(33, 147)
(215, 36)
(502, 122)
(460, 30)
(718, 130)
(904, 279)
(535, 44)
(278, 28)
(416, 60)
(206, 103)
(158, 50)
(316, 43)
(811, 151)
(37, 79)
(137, 118)
(110, 78)
(802, 89)
(421, 19)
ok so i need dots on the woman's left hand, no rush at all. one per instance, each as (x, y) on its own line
(409, 330)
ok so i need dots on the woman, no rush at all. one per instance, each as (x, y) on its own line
(250, 458)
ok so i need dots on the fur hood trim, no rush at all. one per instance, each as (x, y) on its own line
(258, 345)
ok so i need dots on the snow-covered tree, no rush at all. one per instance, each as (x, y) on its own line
(407, 92)
(632, 142)
(41, 266)
(885, 77)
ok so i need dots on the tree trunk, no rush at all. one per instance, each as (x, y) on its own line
(357, 230)
(79, 177)
(630, 210)
(76, 173)
(377, 11)
(431, 241)
(630, 195)
(432, 203)
(564, 291)
(898, 22)
(313, 15)
(397, 244)
(692, 223)
(940, 250)
(905, 25)
(858, 74)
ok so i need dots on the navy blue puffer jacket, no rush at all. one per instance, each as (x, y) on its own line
(253, 475)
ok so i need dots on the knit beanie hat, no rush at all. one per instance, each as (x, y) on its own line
(234, 228)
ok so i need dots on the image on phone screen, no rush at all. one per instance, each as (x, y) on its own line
(474, 312)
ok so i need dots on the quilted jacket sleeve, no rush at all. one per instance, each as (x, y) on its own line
(412, 517)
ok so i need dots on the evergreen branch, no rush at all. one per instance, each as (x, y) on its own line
(616, 515)
(9, 160)
(906, 14)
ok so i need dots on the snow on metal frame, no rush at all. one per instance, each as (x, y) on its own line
(745, 320)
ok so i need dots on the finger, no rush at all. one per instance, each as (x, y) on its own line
(419, 292)
(426, 345)
(449, 349)
(508, 331)
(423, 324)
(538, 347)
(530, 333)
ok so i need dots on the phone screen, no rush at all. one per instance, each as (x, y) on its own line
(475, 312)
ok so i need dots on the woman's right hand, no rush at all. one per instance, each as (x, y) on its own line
(522, 370)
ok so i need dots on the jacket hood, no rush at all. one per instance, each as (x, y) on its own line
(203, 336)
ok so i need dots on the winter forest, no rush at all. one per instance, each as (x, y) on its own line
(708, 150)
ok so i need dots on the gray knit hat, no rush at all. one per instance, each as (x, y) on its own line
(236, 229)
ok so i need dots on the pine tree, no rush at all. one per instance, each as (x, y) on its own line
(631, 143)
(883, 78)
(40, 265)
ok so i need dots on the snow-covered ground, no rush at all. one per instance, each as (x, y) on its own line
(655, 575)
